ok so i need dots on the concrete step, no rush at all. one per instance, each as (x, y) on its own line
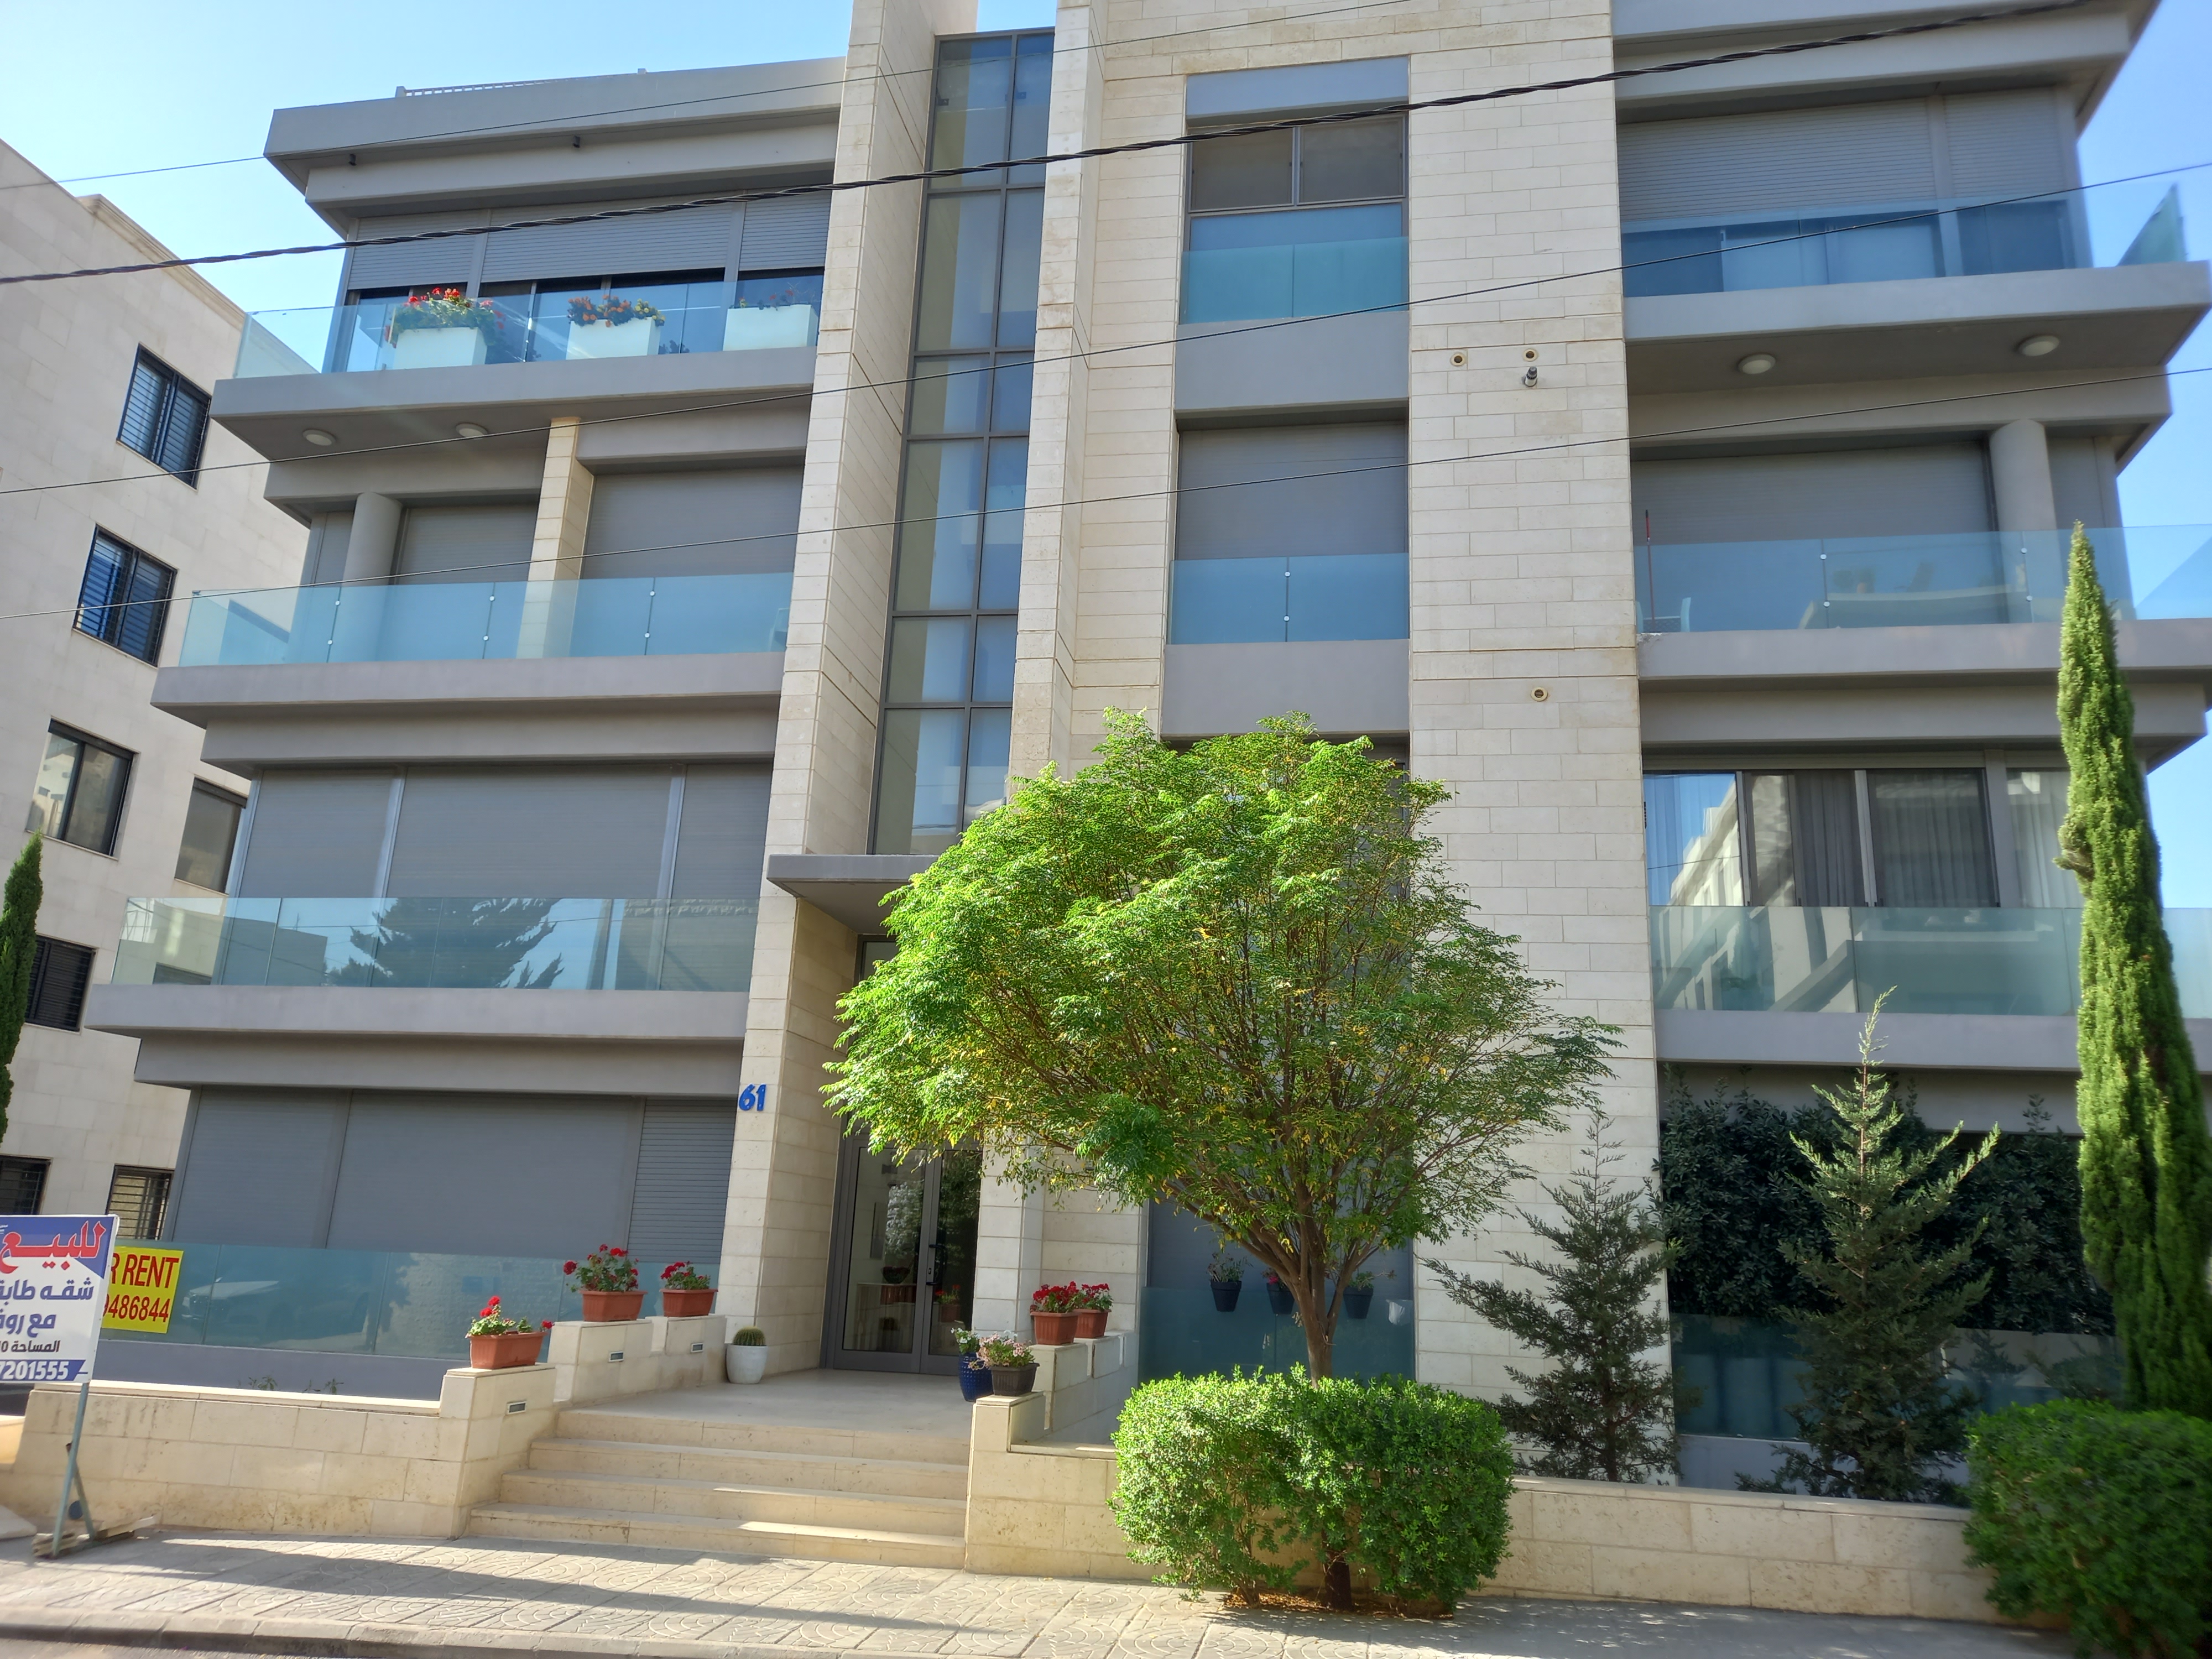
(817, 1472)
(610, 1422)
(811, 1543)
(720, 1500)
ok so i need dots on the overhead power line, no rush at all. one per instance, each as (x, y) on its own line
(1178, 141)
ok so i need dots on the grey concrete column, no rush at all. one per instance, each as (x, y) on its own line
(2019, 476)
(374, 546)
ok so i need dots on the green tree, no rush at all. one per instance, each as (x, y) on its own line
(1877, 1409)
(1602, 1411)
(2146, 1157)
(1237, 977)
(19, 948)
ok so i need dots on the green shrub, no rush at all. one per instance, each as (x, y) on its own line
(1245, 1483)
(2101, 1516)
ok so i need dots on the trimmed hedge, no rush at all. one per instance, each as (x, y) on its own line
(2101, 1516)
(1245, 1483)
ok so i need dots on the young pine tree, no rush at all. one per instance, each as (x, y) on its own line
(2146, 1158)
(19, 946)
(1877, 1411)
(1603, 1410)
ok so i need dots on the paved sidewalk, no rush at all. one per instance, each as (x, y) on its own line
(488, 1596)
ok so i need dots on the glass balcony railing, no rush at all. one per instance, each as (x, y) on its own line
(1300, 279)
(1832, 960)
(480, 621)
(1879, 242)
(1915, 581)
(442, 944)
(1323, 596)
(650, 319)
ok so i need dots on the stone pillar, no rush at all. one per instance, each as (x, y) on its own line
(1009, 1256)
(557, 546)
(2019, 476)
(372, 546)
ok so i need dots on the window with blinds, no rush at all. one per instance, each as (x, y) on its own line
(125, 600)
(22, 1185)
(164, 418)
(139, 1200)
(59, 974)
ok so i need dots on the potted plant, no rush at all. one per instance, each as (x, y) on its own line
(1093, 1303)
(608, 326)
(497, 1343)
(684, 1292)
(607, 1279)
(1359, 1295)
(1279, 1300)
(1225, 1273)
(975, 1375)
(1051, 1313)
(440, 329)
(1013, 1366)
(745, 1360)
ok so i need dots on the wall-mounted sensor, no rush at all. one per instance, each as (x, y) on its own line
(1459, 360)
(1538, 694)
(1528, 378)
(1530, 354)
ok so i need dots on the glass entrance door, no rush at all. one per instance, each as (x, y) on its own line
(904, 1273)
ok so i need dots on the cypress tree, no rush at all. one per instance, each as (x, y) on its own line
(19, 945)
(2146, 1157)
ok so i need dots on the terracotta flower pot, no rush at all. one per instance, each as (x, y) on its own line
(499, 1353)
(687, 1304)
(604, 1307)
(1015, 1379)
(1052, 1330)
(1089, 1321)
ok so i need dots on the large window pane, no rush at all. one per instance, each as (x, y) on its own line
(2037, 801)
(1252, 170)
(1356, 161)
(974, 79)
(1931, 844)
(96, 804)
(1010, 396)
(918, 806)
(937, 542)
(1805, 839)
(50, 794)
(959, 273)
(1032, 103)
(1297, 227)
(210, 831)
(995, 659)
(929, 660)
(1691, 841)
(989, 737)
(951, 395)
(1001, 585)
(1018, 283)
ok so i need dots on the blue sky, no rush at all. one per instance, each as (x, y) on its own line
(174, 84)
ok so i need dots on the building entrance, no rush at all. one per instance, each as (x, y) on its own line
(904, 1272)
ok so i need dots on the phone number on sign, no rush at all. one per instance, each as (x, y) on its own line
(35, 1371)
(137, 1307)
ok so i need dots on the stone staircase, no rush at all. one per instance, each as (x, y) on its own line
(830, 1494)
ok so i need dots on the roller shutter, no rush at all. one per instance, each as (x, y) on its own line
(1935, 490)
(316, 834)
(2006, 143)
(670, 524)
(258, 1169)
(466, 544)
(409, 264)
(681, 239)
(530, 833)
(791, 232)
(1277, 492)
(683, 1181)
(1776, 161)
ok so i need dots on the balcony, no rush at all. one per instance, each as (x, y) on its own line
(2150, 574)
(1316, 278)
(1335, 596)
(440, 944)
(1835, 960)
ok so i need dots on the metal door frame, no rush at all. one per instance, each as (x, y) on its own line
(917, 1360)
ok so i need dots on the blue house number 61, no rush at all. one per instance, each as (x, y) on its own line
(753, 1097)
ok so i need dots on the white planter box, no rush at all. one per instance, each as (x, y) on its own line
(638, 338)
(438, 348)
(761, 328)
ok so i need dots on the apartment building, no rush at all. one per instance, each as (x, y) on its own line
(108, 382)
(1673, 467)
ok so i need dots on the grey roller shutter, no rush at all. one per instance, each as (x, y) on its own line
(723, 836)
(2082, 481)
(258, 1169)
(790, 233)
(685, 238)
(1936, 489)
(1777, 161)
(467, 1174)
(683, 1181)
(466, 544)
(411, 264)
(670, 524)
(2006, 143)
(550, 833)
(316, 834)
(1277, 492)
(327, 547)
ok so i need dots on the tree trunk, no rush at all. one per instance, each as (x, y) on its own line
(1317, 1317)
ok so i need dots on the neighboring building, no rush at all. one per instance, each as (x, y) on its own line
(107, 379)
(673, 642)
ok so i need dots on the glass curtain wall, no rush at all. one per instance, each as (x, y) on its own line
(948, 671)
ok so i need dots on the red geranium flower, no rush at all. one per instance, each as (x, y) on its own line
(568, 1266)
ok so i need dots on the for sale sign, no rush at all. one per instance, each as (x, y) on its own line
(53, 1292)
(142, 1291)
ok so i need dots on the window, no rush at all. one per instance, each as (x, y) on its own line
(164, 418)
(59, 973)
(2037, 801)
(125, 599)
(138, 1200)
(22, 1184)
(210, 832)
(78, 797)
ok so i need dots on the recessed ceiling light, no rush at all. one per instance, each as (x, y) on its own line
(317, 436)
(470, 429)
(2038, 345)
(1758, 363)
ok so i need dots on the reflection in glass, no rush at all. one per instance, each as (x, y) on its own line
(952, 1267)
(1353, 161)
(989, 741)
(2037, 802)
(929, 660)
(918, 798)
(951, 394)
(1002, 528)
(937, 540)
(1009, 404)
(1018, 281)
(1252, 170)
(1691, 840)
(969, 128)
(1032, 105)
(1931, 842)
(882, 1266)
(959, 273)
(995, 659)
